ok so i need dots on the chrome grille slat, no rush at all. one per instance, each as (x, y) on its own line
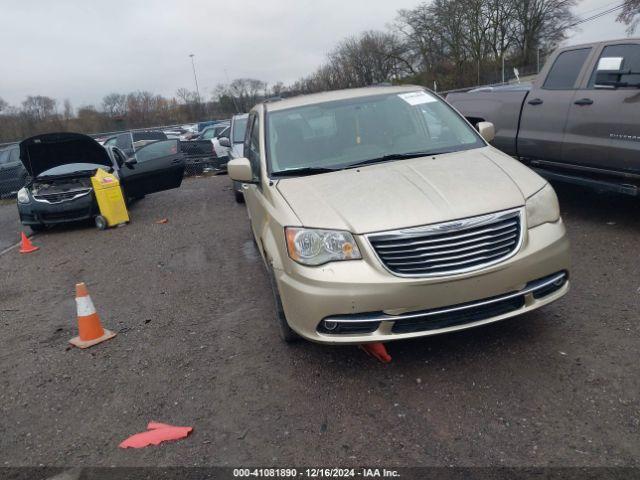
(450, 257)
(439, 240)
(388, 255)
(438, 266)
(386, 250)
(452, 247)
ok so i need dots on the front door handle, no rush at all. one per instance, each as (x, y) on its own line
(535, 101)
(584, 101)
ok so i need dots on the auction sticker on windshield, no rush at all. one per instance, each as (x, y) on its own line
(417, 98)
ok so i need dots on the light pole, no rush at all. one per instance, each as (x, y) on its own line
(195, 77)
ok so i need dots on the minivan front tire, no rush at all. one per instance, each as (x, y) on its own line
(286, 333)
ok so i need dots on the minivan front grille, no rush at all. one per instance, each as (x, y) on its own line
(449, 248)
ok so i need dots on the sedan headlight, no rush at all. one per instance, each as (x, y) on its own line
(542, 207)
(23, 196)
(312, 246)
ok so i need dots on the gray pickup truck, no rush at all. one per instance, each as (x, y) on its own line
(579, 121)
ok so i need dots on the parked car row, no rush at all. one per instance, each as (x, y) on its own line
(61, 164)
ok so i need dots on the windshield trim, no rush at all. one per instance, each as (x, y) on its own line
(273, 175)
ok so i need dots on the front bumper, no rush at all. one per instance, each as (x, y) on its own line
(392, 307)
(43, 213)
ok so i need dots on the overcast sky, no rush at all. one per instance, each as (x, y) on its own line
(82, 50)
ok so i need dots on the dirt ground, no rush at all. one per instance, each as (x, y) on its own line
(197, 345)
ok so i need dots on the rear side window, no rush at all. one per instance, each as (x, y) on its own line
(565, 70)
(124, 141)
(627, 56)
(157, 150)
(208, 134)
(14, 155)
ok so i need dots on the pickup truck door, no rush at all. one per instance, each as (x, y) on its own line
(546, 108)
(603, 128)
(156, 167)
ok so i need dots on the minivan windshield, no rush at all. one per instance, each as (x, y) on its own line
(344, 133)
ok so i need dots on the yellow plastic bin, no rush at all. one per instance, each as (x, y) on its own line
(113, 209)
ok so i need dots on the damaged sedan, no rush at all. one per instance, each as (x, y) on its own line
(61, 166)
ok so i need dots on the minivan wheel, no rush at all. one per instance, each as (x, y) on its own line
(286, 333)
(239, 196)
(38, 227)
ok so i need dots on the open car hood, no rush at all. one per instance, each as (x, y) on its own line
(43, 152)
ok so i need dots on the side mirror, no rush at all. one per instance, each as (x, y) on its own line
(239, 169)
(130, 162)
(487, 131)
(224, 142)
(609, 79)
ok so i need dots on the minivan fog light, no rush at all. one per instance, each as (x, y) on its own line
(329, 325)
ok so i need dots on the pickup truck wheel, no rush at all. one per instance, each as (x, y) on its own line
(286, 333)
(239, 196)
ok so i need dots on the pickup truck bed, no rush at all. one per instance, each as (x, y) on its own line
(580, 119)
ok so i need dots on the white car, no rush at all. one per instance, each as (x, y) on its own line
(221, 151)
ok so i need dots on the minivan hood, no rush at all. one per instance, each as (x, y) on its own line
(43, 152)
(406, 193)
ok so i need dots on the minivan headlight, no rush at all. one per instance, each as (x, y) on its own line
(312, 246)
(542, 207)
(23, 196)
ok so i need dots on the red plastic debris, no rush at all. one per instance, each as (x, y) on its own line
(163, 220)
(156, 433)
(376, 350)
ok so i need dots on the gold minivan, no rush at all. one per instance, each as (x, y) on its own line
(382, 214)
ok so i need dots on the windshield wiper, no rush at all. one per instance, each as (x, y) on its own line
(393, 156)
(299, 172)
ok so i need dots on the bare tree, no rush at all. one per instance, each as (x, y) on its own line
(3, 105)
(68, 110)
(115, 104)
(630, 15)
(541, 24)
(39, 108)
(186, 96)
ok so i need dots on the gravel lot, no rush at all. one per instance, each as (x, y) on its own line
(198, 346)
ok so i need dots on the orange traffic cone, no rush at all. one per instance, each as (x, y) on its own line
(26, 246)
(91, 332)
(376, 350)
